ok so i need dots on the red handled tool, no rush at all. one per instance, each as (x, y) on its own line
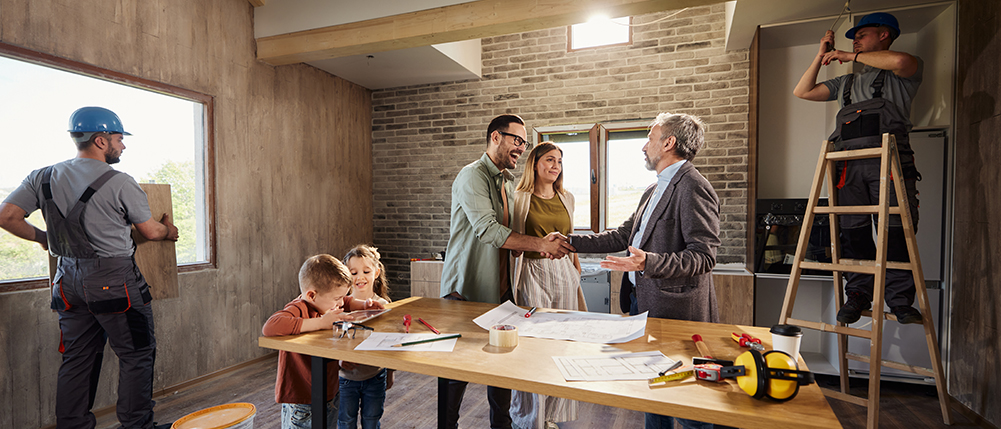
(746, 340)
(406, 322)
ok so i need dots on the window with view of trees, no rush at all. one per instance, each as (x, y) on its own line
(168, 145)
(604, 168)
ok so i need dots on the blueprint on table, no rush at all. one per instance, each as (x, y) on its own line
(627, 366)
(566, 325)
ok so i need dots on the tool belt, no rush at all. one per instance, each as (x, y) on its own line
(862, 125)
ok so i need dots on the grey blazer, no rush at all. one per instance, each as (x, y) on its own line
(681, 240)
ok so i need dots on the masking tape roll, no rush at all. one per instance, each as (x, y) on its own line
(504, 336)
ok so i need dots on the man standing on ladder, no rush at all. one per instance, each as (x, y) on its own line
(875, 101)
(89, 210)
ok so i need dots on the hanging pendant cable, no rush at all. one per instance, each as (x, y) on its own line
(848, 9)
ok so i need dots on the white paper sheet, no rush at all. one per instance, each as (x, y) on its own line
(385, 341)
(570, 325)
(627, 366)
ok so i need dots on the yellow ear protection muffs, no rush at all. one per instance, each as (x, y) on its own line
(773, 374)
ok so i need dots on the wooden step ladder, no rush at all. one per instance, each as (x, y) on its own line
(889, 163)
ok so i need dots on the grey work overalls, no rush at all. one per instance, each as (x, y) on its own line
(862, 125)
(98, 299)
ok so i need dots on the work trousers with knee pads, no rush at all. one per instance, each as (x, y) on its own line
(858, 184)
(103, 300)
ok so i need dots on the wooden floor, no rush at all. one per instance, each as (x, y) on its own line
(411, 403)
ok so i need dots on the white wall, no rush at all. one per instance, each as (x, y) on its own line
(936, 45)
(790, 130)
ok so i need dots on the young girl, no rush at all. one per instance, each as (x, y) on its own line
(364, 385)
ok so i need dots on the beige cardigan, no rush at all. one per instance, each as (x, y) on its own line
(519, 214)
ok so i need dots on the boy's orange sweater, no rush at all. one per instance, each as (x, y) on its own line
(293, 385)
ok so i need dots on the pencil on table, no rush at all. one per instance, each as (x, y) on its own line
(410, 343)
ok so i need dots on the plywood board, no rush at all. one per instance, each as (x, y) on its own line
(157, 260)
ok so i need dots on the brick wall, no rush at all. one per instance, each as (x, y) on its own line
(422, 135)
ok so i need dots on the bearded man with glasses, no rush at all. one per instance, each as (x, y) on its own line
(476, 260)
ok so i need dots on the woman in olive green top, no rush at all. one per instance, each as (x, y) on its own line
(542, 206)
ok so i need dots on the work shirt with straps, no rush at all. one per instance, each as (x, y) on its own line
(109, 212)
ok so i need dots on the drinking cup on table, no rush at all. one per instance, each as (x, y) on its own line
(787, 338)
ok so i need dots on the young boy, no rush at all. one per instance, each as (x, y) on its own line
(324, 282)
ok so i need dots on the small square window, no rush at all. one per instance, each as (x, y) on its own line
(601, 32)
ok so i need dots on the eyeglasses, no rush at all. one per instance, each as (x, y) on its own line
(518, 141)
(344, 327)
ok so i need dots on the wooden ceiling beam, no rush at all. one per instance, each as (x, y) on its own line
(465, 21)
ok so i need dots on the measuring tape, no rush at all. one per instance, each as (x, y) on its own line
(671, 377)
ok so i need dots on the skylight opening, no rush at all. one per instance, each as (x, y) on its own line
(600, 31)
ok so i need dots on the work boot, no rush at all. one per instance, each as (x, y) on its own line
(851, 312)
(907, 314)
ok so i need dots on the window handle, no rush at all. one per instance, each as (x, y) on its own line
(594, 178)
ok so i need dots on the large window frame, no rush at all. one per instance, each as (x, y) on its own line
(598, 137)
(208, 101)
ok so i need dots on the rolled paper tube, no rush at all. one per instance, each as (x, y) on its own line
(504, 336)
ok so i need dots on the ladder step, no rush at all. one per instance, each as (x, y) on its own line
(845, 397)
(846, 155)
(886, 315)
(870, 263)
(853, 210)
(895, 365)
(855, 266)
(821, 326)
(826, 266)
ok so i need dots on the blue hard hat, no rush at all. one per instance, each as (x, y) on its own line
(96, 119)
(875, 20)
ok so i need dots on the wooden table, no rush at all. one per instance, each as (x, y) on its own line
(529, 367)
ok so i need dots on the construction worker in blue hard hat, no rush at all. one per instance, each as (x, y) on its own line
(89, 209)
(875, 100)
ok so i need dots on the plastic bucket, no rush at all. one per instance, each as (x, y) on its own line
(239, 415)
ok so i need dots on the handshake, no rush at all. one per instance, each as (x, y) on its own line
(556, 246)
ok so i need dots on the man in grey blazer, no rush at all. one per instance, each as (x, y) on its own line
(672, 237)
